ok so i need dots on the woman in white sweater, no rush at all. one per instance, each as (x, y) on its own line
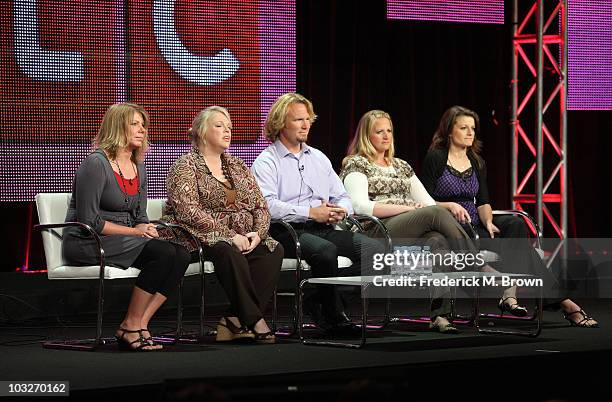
(386, 187)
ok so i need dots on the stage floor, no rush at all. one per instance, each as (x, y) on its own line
(403, 352)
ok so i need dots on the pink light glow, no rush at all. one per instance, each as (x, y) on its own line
(590, 55)
(475, 11)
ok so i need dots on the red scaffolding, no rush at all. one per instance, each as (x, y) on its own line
(539, 115)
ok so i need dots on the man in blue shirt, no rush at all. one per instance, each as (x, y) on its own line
(301, 187)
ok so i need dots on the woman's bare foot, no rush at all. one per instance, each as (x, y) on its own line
(261, 327)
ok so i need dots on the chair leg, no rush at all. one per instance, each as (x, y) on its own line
(387, 318)
(202, 294)
(179, 311)
(296, 303)
(274, 310)
(100, 311)
(85, 344)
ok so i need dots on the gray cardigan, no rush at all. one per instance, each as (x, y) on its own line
(97, 198)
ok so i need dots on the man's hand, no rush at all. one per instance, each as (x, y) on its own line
(327, 213)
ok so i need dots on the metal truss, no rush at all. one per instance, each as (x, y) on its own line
(539, 115)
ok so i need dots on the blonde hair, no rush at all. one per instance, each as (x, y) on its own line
(278, 114)
(361, 144)
(113, 132)
(197, 132)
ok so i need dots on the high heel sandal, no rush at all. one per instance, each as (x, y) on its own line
(124, 344)
(229, 332)
(149, 338)
(514, 309)
(582, 323)
(264, 337)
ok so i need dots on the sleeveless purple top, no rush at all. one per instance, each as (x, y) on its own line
(459, 187)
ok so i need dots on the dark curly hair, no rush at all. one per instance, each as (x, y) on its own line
(441, 137)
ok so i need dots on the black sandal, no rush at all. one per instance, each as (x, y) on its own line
(514, 309)
(124, 344)
(582, 323)
(149, 338)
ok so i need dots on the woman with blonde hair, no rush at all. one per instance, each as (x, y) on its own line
(109, 193)
(215, 197)
(387, 187)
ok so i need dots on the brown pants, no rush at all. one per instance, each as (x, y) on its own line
(248, 279)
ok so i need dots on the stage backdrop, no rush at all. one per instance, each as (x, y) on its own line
(589, 39)
(65, 62)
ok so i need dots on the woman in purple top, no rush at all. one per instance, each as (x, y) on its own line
(455, 175)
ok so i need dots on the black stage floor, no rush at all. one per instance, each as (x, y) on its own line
(403, 362)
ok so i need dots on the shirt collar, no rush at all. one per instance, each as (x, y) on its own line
(282, 150)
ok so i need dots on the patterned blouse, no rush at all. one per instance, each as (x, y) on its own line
(391, 185)
(198, 201)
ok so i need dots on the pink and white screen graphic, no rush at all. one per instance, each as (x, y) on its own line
(65, 61)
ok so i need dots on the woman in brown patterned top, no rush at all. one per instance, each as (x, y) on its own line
(384, 186)
(216, 198)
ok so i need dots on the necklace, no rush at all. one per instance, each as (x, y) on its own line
(229, 183)
(125, 193)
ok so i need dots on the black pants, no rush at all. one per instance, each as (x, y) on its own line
(163, 265)
(321, 245)
(518, 256)
(248, 279)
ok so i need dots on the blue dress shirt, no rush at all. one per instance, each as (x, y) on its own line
(294, 183)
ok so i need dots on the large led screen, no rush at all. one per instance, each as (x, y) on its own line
(589, 55)
(65, 62)
(479, 11)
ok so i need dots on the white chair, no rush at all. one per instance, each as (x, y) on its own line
(155, 208)
(52, 208)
